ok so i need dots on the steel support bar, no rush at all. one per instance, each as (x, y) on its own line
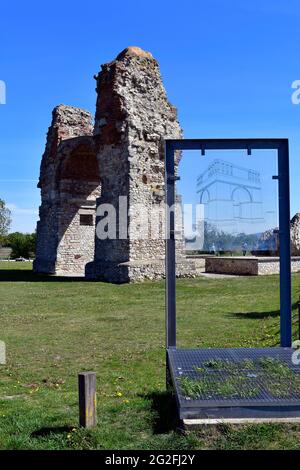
(170, 248)
(226, 144)
(285, 246)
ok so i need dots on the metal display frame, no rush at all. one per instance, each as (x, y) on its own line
(282, 147)
(183, 361)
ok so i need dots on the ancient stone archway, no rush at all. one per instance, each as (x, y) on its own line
(133, 117)
(70, 184)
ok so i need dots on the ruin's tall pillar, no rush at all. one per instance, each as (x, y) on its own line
(133, 116)
(70, 131)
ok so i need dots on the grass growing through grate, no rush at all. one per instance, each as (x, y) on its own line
(218, 378)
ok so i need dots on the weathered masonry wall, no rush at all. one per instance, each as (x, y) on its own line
(133, 116)
(122, 156)
(70, 184)
(295, 235)
(79, 186)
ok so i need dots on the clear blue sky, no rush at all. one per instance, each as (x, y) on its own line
(227, 65)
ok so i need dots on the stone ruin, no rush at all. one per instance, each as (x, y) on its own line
(86, 165)
(295, 235)
(269, 240)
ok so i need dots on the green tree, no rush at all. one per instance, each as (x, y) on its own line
(22, 244)
(5, 221)
(225, 241)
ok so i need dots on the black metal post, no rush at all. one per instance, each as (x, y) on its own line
(285, 246)
(170, 248)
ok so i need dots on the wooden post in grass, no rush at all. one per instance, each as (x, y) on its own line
(87, 399)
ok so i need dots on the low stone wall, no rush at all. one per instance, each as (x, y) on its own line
(136, 271)
(271, 266)
(246, 265)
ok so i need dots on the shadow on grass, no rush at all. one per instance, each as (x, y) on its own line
(163, 405)
(255, 315)
(27, 275)
(260, 315)
(44, 432)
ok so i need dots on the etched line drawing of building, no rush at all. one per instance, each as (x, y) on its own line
(231, 195)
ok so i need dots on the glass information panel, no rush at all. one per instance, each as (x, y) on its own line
(229, 202)
(229, 213)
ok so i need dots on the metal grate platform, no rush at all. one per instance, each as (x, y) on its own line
(236, 382)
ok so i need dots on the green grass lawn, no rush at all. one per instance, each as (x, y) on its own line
(54, 328)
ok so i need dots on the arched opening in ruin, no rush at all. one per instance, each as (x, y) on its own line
(78, 187)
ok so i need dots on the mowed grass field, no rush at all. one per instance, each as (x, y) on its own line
(54, 328)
